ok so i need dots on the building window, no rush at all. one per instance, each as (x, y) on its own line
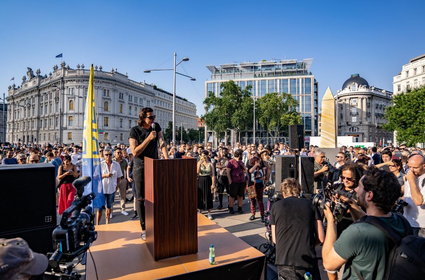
(398, 87)
(69, 135)
(121, 137)
(294, 86)
(120, 123)
(121, 96)
(105, 121)
(129, 110)
(414, 72)
(106, 106)
(70, 121)
(71, 105)
(106, 136)
(129, 123)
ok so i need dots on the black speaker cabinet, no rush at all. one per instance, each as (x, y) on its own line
(39, 239)
(296, 136)
(307, 174)
(286, 167)
(27, 197)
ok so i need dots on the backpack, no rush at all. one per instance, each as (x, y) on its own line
(238, 174)
(407, 255)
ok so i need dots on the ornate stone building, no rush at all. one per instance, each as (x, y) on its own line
(412, 75)
(50, 108)
(360, 111)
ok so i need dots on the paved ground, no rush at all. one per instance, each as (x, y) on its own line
(252, 232)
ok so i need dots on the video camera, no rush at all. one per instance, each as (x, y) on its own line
(330, 194)
(73, 236)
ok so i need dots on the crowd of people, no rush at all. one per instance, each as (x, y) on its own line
(369, 181)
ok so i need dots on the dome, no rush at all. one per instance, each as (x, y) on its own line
(355, 78)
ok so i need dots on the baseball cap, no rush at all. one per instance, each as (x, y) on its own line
(16, 255)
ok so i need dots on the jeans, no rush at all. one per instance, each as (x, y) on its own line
(139, 186)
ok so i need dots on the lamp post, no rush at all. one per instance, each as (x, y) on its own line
(253, 124)
(4, 118)
(174, 69)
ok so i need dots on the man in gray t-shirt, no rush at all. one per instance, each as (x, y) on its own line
(362, 247)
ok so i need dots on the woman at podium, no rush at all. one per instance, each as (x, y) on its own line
(144, 140)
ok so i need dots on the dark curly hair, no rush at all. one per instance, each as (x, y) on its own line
(143, 114)
(385, 187)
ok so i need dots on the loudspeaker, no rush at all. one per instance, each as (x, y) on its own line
(39, 239)
(286, 167)
(28, 203)
(307, 174)
(296, 137)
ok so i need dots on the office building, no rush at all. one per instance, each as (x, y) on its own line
(412, 75)
(288, 76)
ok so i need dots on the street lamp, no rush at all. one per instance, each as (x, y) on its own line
(4, 117)
(174, 87)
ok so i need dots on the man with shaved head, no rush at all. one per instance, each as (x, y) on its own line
(414, 194)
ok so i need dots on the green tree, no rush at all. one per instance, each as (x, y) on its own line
(168, 132)
(276, 111)
(231, 110)
(407, 116)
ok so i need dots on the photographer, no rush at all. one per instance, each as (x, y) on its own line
(349, 180)
(363, 247)
(296, 226)
(320, 170)
(18, 261)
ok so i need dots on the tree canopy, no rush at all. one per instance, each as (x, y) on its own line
(232, 109)
(407, 116)
(277, 110)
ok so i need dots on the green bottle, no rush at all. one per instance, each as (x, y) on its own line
(211, 256)
(308, 276)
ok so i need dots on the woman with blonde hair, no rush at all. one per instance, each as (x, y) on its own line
(206, 181)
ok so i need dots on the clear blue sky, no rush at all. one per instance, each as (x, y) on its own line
(373, 38)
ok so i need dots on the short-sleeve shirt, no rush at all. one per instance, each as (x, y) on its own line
(237, 170)
(413, 213)
(110, 184)
(295, 220)
(140, 134)
(365, 247)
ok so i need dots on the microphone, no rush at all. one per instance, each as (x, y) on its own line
(80, 183)
(153, 126)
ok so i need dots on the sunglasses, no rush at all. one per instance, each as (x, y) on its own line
(151, 117)
(347, 178)
(108, 155)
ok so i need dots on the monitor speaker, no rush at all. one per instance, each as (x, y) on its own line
(307, 174)
(296, 137)
(28, 202)
(286, 167)
(39, 239)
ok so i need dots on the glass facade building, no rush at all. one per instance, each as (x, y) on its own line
(287, 76)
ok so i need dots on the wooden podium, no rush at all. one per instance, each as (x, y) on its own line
(171, 203)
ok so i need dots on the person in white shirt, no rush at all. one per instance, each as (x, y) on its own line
(414, 193)
(111, 171)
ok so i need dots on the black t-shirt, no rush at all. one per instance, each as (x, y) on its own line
(140, 134)
(179, 154)
(295, 220)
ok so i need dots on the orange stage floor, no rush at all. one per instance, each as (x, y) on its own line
(120, 253)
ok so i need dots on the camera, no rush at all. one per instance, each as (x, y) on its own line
(72, 237)
(399, 206)
(330, 195)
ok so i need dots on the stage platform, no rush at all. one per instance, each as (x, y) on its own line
(120, 253)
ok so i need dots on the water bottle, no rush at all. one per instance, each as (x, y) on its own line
(308, 276)
(211, 256)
